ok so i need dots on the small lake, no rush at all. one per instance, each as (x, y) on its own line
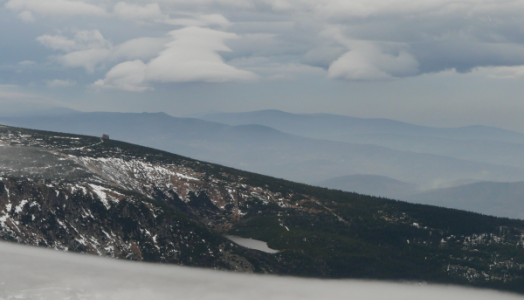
(252, 244)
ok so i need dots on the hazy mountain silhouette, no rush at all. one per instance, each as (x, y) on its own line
(371, 185)
(476, 143)
(504, 199)
(344, 128)
(21, 108)
(489, 151)
(268, 151)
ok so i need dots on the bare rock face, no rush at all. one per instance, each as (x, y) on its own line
(108, 198)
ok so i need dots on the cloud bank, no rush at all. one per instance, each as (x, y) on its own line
(56, 7)
(348, 40)
(36, 273)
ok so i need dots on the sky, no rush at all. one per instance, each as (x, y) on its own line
(38, 273)
(436, 62)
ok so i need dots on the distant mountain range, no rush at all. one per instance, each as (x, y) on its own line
(503, 199)
(345, 128)
(475, 143)
(372, 185)
(490, 198)
(368, 167)
(20, 108)
(265, 150)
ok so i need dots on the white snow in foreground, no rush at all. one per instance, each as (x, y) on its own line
(252, 244)
(36, 273)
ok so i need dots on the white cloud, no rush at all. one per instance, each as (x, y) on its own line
(56, 7)
(140, 48)
(83, 40)
(26, 63)
(189, 54)
(134, 11)
(57, 42)
(59, 83)
(87, 49)
(432, 35)
(192, 56)
(127, 76)
(368, 62)
(26, 16)
(91, 39)
(389, 39)
(87, 59)
(363, 9)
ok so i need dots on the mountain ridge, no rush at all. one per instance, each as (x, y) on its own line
(371, 185)
(290, 122)
(134, 202)
(272, 152)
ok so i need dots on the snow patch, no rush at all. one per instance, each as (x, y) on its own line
(103, 195)
(20, 207)
(251, 244)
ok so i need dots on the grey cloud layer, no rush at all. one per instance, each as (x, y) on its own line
(353, 40)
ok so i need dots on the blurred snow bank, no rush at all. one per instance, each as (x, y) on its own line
(35, 273)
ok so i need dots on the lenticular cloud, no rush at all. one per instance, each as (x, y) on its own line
(191, 56)
(127, 76)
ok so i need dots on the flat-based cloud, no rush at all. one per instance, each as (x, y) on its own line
(128, 76)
